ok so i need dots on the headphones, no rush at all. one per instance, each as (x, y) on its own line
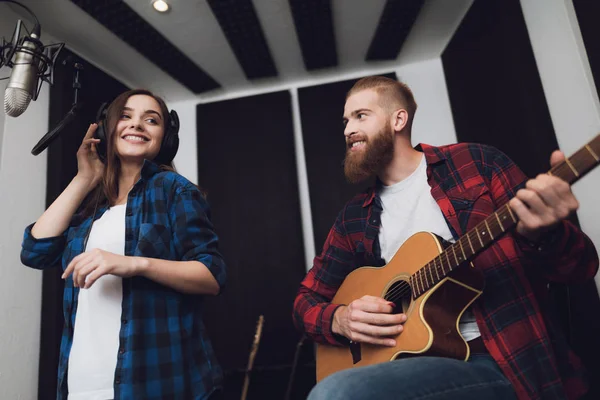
(168, 147)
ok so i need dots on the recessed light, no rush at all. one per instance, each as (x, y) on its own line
(160, 6)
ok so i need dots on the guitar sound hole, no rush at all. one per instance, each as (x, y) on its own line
(400, 293)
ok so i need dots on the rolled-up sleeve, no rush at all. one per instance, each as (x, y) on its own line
(194, 235)
(42, 253)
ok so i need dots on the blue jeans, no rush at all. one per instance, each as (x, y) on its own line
(430, 378)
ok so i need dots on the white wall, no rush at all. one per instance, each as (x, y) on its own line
(186, 160)
(22, 200)
(433, 123)
(570, 92)
(4, 71)
(23, 188)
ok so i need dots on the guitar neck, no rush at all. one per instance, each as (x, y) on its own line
(253, 351)
(495, 225)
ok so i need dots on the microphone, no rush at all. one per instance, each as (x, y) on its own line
(31, 61)
(32, 64)
(23, 83)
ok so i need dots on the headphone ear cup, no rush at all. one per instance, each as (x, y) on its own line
(174, 122)
(101, 148)
(170, 143)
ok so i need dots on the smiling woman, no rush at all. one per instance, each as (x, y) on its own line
(138, 250)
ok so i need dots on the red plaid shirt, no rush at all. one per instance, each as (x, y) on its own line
(469, 182)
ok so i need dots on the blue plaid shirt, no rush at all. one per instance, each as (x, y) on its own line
(164, 351)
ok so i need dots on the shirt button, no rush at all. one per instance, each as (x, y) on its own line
(129, 212)
(118, 381)
(124, 322)
(121, 351)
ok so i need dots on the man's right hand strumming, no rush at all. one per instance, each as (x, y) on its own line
(368, 320)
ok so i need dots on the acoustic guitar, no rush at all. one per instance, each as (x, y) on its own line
(432, 285)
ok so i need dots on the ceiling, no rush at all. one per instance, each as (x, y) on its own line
(207, 49)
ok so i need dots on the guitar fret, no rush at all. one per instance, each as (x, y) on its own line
(444, 272)
(430, 274)
(456, 258)
(488, 228)
(436, 271)
(412, 284)
(592, 153)
(572, 167)
(462, 250)
(499, 223)
(421, 279)
(449, 263)
(470, 244)
(511, 214)
(417, 286)
(479, 237)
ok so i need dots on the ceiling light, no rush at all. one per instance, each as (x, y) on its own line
(160, 6)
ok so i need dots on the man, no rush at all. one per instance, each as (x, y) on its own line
(517, 351)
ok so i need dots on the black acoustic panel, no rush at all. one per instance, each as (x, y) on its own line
(494, 86)
(247, 167)
(96, 88)
(242, 29)
(588, 12)
(394, 25)
(314, 26)
(120, 19)
(321, 111)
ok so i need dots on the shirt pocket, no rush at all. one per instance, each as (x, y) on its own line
(154, 241)
(472, 205)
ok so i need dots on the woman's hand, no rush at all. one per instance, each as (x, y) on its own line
(89, 166)
(91, 265)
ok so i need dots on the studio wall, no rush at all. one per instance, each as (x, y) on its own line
(246, 166)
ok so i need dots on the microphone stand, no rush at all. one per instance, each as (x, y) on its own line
(75, 107)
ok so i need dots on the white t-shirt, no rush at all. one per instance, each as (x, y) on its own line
(408, 208)
(93, 356)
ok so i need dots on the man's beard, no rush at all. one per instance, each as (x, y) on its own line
(364, 164)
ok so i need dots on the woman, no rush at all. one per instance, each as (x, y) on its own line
(138, 252)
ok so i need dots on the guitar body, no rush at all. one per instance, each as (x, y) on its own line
(431, 328)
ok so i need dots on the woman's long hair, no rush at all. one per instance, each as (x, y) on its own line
(107, 191)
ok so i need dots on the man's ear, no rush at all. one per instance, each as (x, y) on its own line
(399, 119)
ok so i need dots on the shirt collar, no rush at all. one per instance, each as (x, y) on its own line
(149, 169)
(433, 155)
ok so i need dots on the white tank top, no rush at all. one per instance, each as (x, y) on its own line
(93, 356)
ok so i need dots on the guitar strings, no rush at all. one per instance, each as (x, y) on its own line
(563, 170)
(475, 241)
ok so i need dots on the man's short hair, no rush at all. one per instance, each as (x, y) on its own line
(392, 94)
